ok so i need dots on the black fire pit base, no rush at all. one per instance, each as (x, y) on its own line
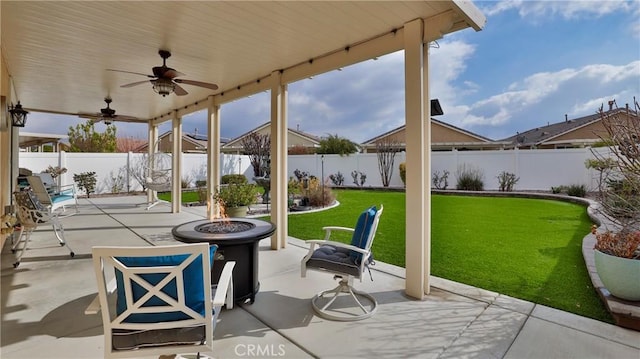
(241, 247)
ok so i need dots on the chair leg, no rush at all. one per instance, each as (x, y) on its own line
(27, 236)
(152, 204)
(16, 241)
(58, 230)
(344, 287)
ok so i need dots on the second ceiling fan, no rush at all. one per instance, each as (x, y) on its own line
(164, 79)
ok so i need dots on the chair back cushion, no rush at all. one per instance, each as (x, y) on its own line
(362, 231)
(28, 203)
(192, 285)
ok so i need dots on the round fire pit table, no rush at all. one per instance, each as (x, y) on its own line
(237, 240)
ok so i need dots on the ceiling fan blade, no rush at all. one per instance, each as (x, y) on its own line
(137, 83)
(131, 72)
(197, 83)
(122, 118)
(90, 116)
(179, 91)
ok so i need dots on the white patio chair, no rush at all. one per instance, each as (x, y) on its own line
(51, 195)
(31, 214)
(345, 262)
(164, 300)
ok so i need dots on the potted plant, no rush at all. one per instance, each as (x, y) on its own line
(617, 248)
(236, 197)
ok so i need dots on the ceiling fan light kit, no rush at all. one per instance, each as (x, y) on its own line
(163, 86)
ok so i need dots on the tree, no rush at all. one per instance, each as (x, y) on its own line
(84, 138)
(386, 150)
(129, 144)
(619, 187)
(258, 148)
(334, 144)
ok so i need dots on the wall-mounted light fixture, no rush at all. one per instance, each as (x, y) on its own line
(18, 115)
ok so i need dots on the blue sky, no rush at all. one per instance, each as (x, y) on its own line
(534, 62)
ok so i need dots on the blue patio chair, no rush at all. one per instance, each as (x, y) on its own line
(164, 299)
(345, 262)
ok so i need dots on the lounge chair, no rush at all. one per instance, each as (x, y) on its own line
(32, 214)
(51, 195)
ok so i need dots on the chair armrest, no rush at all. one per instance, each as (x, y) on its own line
(94, 306)
(322, 242)
(66, 189)
(224, 289)
(327, 230)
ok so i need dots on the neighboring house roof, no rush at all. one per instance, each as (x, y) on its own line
(197, 141)
(439, 139)
(578, 131)
(303, 138)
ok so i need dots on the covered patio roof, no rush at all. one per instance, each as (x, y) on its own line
(57, 53)
(55, 57)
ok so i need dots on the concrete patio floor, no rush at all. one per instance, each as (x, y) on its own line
(43, 303)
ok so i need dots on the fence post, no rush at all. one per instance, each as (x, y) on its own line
(62, 163)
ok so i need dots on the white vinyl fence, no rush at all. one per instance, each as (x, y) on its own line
(537, 169)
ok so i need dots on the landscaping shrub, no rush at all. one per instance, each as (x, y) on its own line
(337, 179)
(358, 181)
(319, 195)
(403, 173)
(86, 181)
(234, 179)
(507, 180)
(439, 181)
(185, 182)
(577, 190)
(470, 179)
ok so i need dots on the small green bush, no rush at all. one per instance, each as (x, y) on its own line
(235, 195)
(403, 173)
(439, 181)
(86, 181)
(507, 181)
(234, 179)
(558, 190)
(470, 179)
(201, 183)
(577, 190)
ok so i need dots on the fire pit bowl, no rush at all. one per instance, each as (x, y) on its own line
(237, 240)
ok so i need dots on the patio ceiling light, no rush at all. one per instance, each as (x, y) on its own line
(163, 86)
(18, 115)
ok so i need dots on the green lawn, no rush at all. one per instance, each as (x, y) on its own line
(524, 248)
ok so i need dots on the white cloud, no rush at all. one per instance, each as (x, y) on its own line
(537, 10)
(545, 96)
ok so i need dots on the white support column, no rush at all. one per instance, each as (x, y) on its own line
(279, 180)
(416, 265)
(426, 172)
(176, 163)
(151, 150)
(213, 156)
